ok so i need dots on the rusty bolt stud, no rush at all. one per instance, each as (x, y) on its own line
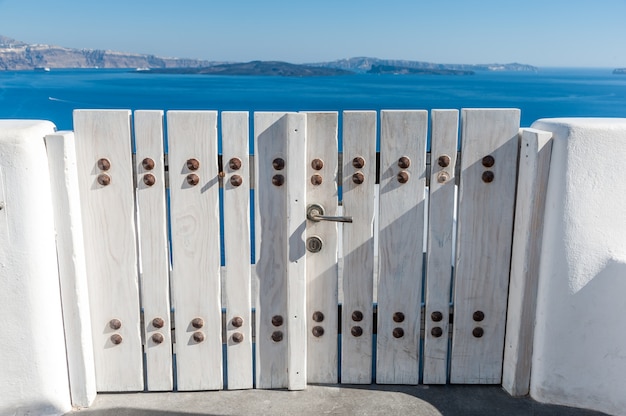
(278, 180)
(488, 161)
(357, 316)
(443, 161)
(398, 332)
(318, 316)
(237, 321)
(158, 323)
(234, 163)
(436, 332)
(115, 324)
(197, 323)
(237, 337)
(157, 338)
(403, 177)
(147, 164)
(358, 178)
(358, 162)
(104, 164)
(398, 317)
(316, 179)
(404, 162)
(436, 316)
(356, 331)
(193, 179)
(277, 336)
(198, 336)
(149, 179)
(278, 163)
(478, 332)
(478, 316)
(488, 176)
(317, 331)
(236, 180)
(193, 164)
(277, 320)
(317, 164)
(443, 177)
(116, 339)
(104, 179)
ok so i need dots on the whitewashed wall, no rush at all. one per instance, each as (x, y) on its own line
(579, 356)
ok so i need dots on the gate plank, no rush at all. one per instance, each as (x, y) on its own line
(237, 249)
(359, 140)
(445, 129)
(153, 249)
(485, 228)
(281, 264)
(109, 227)
(195, 249)
(322, 350)
(401, 231)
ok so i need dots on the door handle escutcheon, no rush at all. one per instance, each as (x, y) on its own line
(315, 212)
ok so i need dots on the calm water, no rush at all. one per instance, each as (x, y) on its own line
(548, 93)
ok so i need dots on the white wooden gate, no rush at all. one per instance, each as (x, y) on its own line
(337, 293)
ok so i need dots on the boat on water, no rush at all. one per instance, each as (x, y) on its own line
(42, 69)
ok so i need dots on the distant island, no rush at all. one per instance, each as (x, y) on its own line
(619, 71)
(16, 55)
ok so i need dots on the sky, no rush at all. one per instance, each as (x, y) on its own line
(545, 33)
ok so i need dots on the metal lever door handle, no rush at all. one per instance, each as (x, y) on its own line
(315, 213)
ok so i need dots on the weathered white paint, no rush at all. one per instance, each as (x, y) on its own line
(579, 354)
(72, 269)
(34, 376)
(532, 181)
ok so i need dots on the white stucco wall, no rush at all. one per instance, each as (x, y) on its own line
(579, 356)
(33, 369)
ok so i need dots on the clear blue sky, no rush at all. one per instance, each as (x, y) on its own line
(542, 33)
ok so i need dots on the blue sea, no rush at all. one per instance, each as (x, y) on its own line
(562, 92)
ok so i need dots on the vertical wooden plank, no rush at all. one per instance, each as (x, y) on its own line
(534, 167)
(153, 249)
(359, 177)
(280, 145)
(237, 249)
(103, 150)
(400, 241)
(445, 129)
(195, 248)
(485, 232)
(321, 185)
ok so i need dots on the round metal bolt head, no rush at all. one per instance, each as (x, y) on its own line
(488, 176)
(356, 331)
(443, 161)
(398, 317)
(158, 323)
(197, 323)
(115, 324)
(404, 162)
(237, 337)
(358, 162)
(488, 161)
(104, 179)
(478, 332)
(234, 163)
(149, 179)
(357, 316)
(314, 244)
(358, 178)
(193, 164)
(398, 332)
(317, 164)
(317, 331)
(198, 336)
(236, 180)
(104, 164)
(436, 316)
(318, 316)
(277, 320)
(403, 177)
(278, 163)
(316, 179)
(478, 316)
(157, 338)
(436, 332)
(443, 177)
(278, 180)
(237, 321)
(116, 339)
(147, 164)
(193, 179)
(277, 336)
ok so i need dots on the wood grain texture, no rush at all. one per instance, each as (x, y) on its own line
(110, 246)
(281, 263)
(445, 129)
(534, 167)
(359, 140)
(195, 248)
(401, 230)
(322, 350)
(153, 249)
(484, 237)
(237, 249)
